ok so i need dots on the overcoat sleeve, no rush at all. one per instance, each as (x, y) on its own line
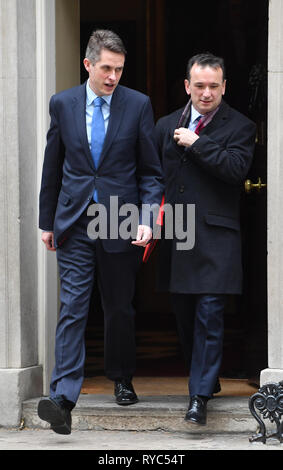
(230, 158)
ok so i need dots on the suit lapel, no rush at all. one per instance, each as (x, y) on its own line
(116, 114)
(117, 109)
(79, 109)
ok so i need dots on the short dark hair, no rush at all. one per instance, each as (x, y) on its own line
(206, 59)
(103, 39)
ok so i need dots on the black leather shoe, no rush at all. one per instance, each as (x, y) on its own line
(124, 393)
(217, 386)
(57, 415)
(197, 410)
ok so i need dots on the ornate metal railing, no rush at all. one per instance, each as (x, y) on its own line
(267, 403)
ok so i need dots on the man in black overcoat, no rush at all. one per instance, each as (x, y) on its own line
(206, 150)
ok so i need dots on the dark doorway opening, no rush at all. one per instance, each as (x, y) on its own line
(160, 37)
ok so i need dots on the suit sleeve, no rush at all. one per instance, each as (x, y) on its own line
(160, 136)
(229, 162)
(149, 172)
(51, 173)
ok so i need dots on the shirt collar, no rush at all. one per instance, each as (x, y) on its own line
(90, 96)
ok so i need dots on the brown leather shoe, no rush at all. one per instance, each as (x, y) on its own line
(125, 393)
(197, 410)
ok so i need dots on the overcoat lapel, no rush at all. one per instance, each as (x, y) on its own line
(218, 119)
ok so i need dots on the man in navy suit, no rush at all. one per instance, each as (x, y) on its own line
(100, 146)
(207, 150)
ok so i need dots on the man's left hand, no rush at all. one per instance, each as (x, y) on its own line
(144, 234)
(185, 137)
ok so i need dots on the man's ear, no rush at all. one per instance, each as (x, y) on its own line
(87, 64)
(187, 87)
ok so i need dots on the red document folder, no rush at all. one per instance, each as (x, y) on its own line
(151, 245)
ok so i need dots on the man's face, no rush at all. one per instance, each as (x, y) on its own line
(104, 76)
(206, 87)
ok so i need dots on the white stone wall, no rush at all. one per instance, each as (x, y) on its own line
(20, 375)
(275, 195)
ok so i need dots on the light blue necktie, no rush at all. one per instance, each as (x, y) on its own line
(97, 133)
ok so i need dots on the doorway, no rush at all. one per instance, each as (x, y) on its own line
(159, 41)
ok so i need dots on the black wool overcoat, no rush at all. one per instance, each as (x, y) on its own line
(209, 175)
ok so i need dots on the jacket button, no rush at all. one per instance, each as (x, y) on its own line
(185, 159)
(181, 189)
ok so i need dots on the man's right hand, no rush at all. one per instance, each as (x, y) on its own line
(48, 240)
(185, 137)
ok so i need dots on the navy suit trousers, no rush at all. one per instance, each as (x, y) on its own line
(80, 259)
(200, 323)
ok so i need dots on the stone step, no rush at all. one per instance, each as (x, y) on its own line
(100, 412)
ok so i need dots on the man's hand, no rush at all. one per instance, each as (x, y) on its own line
(48, 240)
(143, 236)
(185, 137)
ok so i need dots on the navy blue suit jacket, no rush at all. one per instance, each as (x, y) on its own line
(129, 165)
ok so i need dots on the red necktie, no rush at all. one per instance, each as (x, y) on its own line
(199, 126)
